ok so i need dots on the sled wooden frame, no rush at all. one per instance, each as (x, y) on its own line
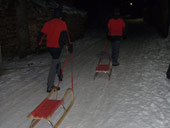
(104, 68)
(36, 119)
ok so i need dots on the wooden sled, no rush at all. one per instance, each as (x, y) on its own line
(104, 68)
(48, 107)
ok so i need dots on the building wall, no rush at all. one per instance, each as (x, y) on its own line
(157, 14)
(163, 24)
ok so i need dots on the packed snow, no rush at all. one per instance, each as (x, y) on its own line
(136, 96)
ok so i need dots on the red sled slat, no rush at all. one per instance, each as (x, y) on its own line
(101, 67)
(47, 108)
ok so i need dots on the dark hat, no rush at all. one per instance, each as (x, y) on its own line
(57, 13)
(116, 11)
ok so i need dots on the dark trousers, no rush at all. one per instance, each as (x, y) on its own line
(115, 43)
(55, 67)
(115, 50)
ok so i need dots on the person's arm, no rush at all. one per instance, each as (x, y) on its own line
(44, 31)
(108, 27)
(40, 38)
(108, 30)
(64, 40)
(124, 30)
(67, 40)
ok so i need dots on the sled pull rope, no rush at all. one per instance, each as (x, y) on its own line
(106, 47)
(71, 70)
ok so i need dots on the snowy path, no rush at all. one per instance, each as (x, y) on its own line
(137, 95)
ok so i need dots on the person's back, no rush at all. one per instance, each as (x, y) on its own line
(52, 29)
(116, 27)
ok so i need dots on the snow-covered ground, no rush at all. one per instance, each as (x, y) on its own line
(136, 96)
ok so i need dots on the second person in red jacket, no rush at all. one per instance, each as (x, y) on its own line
(116, 27)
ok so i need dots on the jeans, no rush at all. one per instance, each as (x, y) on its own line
(115, 50)
(115, 43)
(55, 65)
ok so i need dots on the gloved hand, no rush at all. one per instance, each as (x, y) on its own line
(37, 49)
(70, 48)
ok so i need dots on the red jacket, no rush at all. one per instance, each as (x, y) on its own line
(115, 27)
(52, 29)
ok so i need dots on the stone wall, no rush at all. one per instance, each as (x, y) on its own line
(8, 36)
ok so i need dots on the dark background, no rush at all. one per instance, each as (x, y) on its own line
(21, 20)
(100, 10)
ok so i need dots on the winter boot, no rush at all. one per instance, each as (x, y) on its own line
(115, 63)
(50, 88)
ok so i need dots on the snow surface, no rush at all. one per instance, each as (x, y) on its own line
(136, 96)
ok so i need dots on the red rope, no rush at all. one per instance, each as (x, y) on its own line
(106, 46)
(71, 69)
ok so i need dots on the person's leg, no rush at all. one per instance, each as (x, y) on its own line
(55, 53)
(115, 52)
(52, 73)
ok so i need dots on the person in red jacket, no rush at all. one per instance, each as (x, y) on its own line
(57, 36)
(116, 27)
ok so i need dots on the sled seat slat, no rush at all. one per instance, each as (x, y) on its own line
(48, 106)
(102, 67)
(46, 109)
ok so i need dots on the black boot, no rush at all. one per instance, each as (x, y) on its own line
(50, 88)
(115, 63)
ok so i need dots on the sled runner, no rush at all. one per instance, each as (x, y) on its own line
(104, 68)
(48, 107)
